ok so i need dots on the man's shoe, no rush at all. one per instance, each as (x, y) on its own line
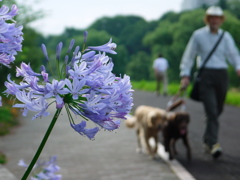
(206, 148)
(216, 151)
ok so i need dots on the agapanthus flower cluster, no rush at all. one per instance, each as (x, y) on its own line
(44, 170)
(84, 85)
(10, 35)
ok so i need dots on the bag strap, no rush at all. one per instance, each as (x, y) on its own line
(209, 55)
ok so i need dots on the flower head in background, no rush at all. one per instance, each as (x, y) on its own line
(10, 35)
(83, 83)
(108, 47)
(44, 170)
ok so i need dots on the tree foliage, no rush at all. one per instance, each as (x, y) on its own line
(139, 69)
(140, 41)
(234, 7)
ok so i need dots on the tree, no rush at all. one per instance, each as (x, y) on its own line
(140, 67)
(170, 37)
(140, 41)
(223, 4)
(115, 25)
(130, 30)
(234, 7)
(170, 17)
(120, 60)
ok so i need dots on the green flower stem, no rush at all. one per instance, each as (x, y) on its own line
(41, 146)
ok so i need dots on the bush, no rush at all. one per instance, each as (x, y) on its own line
(8, 117)
(3, 158)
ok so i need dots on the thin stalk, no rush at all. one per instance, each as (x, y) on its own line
(41, 146)
(50, 67)
(58, 70)
(69, 114)
(63, 71)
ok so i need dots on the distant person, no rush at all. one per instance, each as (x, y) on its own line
(214, 77)
(160, 66)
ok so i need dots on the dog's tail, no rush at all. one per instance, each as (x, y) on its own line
(131, 121)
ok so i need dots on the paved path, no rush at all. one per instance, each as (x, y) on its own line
(111, 156)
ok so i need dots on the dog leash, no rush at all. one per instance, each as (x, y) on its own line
(177, 100)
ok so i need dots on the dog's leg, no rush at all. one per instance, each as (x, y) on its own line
(139, 147)
(148, 147)
(156, 144)
(171, 149)
(166, 142)
(174, 148)
(186, 143)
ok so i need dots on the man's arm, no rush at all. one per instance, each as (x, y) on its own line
(233, 53)
(188, 61)
(188, 57)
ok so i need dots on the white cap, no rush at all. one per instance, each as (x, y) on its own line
(214, 11)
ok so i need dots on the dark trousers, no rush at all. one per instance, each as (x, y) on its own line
(213, 90)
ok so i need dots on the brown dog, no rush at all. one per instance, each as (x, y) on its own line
(176, 128)
(147, 121)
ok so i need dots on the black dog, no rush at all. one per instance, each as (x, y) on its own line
(176, 128)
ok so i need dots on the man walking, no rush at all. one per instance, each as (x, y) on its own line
(160, 66)
(214, 77)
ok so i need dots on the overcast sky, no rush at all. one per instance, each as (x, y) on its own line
(80, 14)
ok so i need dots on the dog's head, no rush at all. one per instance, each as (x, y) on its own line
(156, 118)
(180, 120)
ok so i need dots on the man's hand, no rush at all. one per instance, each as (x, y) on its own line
(184, 82)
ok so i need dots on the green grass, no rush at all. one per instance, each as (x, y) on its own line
(151, 86)
(233, 95)
(3, 158)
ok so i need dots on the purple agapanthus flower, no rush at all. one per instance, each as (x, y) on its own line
(55, 89)
(81, 129)
(108, 47)
(44, 170)
(85, 86)
(10, 35)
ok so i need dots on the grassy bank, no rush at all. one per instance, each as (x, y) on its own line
(233, 96)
